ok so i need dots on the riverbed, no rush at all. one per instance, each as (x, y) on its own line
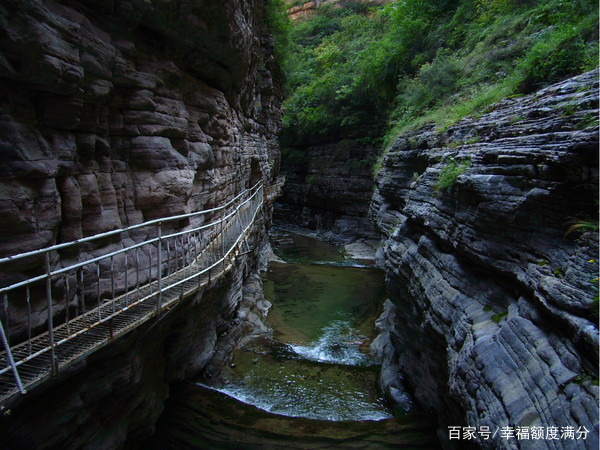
(312, 382)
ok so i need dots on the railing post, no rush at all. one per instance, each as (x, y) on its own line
(223, 243)
(126, 281)
(159, 268)
(50, 313)
(28, 298)
(68, 297)
(10, 360)
(81, 291)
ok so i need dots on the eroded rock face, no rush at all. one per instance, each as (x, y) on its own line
(328, 187)
(114, 398)
(308, 7)
(118, 112)
(496, 322)
(113, 113)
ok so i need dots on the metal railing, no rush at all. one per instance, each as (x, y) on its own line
(80, 301)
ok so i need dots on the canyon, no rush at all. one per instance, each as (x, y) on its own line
(115, 112)
(493, 314)
(493, 310)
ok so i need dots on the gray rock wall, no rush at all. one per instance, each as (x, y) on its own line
(328, 187)
(114, 398)
(116, 112)
(496, 319)
(122, 111)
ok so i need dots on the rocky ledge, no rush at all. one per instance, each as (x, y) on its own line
(492, 275)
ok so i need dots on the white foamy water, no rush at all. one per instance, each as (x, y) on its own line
(294, 400)
(297, 387)
(339, 344)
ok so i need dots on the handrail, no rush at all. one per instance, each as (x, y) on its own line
(112, 233)
(182, 256)
(122, 230)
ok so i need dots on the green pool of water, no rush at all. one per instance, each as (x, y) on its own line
(308, 298)
(318, 363)
(314, 381)
(300, 249)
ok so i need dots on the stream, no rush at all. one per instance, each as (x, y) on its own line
(313, 382)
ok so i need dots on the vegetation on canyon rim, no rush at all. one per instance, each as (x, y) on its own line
(351, 69)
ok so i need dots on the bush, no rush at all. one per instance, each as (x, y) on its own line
(435, 82)
(450, 173)
(411, 62)
(559, 53)
(278, 22)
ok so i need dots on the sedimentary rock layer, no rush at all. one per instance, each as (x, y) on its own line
(495, 300)
(118, 112)
(113, 113)
(328, 187)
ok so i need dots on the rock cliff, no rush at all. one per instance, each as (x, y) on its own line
(305, 8)
(112, 113)
(121, 111)
(328, 187)
(495, 300)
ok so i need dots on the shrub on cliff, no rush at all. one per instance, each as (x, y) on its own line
(558, 54)
(279, 24)
(449, 173)
(415, 61)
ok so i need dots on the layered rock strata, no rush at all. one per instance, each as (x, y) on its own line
(328, 187)
(113, 113)
(117, 112)
(306, 8)
(114, 398)
(496, 301)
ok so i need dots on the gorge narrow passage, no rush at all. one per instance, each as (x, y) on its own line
(313, 382)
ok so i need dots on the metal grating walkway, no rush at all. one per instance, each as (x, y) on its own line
(185, 262)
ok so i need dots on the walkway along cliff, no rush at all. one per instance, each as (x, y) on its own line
(493, 280)
(113, 114)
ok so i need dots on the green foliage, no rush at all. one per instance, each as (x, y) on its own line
(588, 120)
(581, 225)
(411, 62)
(559, 53)
(434, 81)
(499, 316)
(450, 173)
(324, 98)
(342, 251)
(584, 378)
(279, 24)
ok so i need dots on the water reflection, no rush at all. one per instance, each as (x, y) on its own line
(319, 365)
(316, 365)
